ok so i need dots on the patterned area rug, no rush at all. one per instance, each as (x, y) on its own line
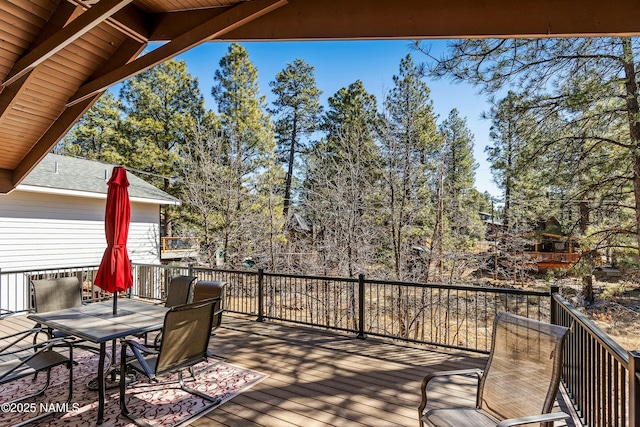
(159, 404)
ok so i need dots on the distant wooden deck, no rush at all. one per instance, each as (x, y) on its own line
(324, 378)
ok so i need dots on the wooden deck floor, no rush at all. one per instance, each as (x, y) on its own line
(324, 378)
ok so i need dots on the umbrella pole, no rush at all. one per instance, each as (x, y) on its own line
(115, 303)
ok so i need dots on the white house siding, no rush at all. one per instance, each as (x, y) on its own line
(40, 231)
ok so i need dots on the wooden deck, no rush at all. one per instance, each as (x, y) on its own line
(324, 378)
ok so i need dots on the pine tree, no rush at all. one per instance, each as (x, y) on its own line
(409, 142)
(589, 86)
(252, 214)
(162, 105)
(98, 134)
(464, 226)
(342, 180)
(298, 108)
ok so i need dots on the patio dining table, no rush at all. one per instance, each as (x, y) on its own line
(96, 323)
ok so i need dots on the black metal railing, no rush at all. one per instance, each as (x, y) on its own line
(450, 316)
(600, 376)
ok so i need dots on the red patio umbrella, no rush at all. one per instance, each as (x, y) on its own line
(114, 274)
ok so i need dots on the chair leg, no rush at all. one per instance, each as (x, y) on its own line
(67, 402)
(123, 388)
(195, 392)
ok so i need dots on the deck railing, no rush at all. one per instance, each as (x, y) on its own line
(450, 316)
(149, 282)
(601, 378)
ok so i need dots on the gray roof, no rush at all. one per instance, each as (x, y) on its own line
(74, 174)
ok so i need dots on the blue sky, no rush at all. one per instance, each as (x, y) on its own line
(340, 63)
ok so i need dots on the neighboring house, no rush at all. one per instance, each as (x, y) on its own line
(55, 218)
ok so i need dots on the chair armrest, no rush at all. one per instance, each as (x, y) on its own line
(38, 348)
(17, 337)
(554, 416)
(136, 346)
(432, 375)
(137, 350)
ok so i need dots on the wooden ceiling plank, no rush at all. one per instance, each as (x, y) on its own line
(39, 7)
(129, 49)
(19, 11)
(60, 17)
(10, 93)
(227, 21)
(67, 35)
(60, 127)
(12, 23)
(12, 44)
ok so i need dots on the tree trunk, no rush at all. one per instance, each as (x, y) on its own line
(292, 154)
(633, 114)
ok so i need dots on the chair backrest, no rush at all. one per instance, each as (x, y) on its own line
(185, 336)
(524, 367)
(179, 291)
(205, 289)
(56, 294)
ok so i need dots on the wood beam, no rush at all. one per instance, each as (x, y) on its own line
(417, 19)
(59, 128)
(170, 25)
(10, 93)
(67, 35)
(63, 13)
(230, 19)
(133, 22)
(6, 181)
(130, 20)
(128, 50)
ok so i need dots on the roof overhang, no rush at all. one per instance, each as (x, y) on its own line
(91, 195)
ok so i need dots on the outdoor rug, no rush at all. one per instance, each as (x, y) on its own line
(159, 404)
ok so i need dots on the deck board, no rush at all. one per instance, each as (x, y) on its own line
(323, 378)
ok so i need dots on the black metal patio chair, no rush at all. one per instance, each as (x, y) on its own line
(178, 293)
(186, 334)
(22, 360)
(60, 294)
(519, 383)
(206, 289)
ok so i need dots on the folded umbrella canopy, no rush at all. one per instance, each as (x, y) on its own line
(114, 274)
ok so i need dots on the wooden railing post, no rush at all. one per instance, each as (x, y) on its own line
(634, 388)
(190, 271)
(554, 308)
(361, 334)
(260, 295)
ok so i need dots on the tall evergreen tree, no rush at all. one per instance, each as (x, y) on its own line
(162, 105)
(517, 167)
(409, 142)
(252, 210)
(298, 109)
(591, 86)
(98, 135)
(343, 175)
(464, 227)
